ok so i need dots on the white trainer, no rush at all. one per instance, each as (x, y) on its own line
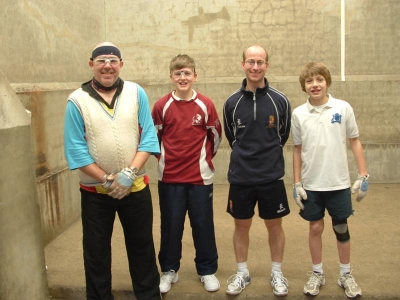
(167, 279)
(313, 284)
(237, 283)
(279, 284)
(211, 283)
(351, 288)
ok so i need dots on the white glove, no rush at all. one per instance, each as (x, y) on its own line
(361, 185)
(122, 183)
(299, 194)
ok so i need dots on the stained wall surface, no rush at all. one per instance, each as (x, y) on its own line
(22, 265)
(357, 41)
(47, 50)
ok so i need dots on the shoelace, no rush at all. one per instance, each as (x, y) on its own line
(314, 279)
(237, 280)
(279, 280)
(349, 281)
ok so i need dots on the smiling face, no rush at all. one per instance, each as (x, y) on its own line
(317, 89)
(183, 80)
(315, 79)
(106, 69)
(255, 65)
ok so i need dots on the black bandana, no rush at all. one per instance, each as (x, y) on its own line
(99, 87)
(106, 50)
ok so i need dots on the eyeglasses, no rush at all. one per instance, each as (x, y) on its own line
(252, 62)
(178, 74)
(102, 61)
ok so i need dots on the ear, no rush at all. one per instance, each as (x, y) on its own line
(91, 64)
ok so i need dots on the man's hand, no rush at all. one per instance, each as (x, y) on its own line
(361, 185)
(299, 194)
(122, 184)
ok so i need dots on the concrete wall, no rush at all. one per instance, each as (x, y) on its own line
(46, 47)
(49, 41)
(362, 56)
(59, 197)
(22, 271)
(47, 50)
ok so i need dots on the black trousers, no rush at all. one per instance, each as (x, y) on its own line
(135, 212)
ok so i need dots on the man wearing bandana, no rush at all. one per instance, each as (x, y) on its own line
(108, 137)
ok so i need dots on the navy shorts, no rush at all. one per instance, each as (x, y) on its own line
(337, 203)
(271, 198)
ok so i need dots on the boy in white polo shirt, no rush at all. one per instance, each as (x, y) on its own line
(319, 129)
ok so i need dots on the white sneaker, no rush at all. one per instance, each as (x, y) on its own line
(237, 283)
(211, 283)
(167, 279)
(351, 288)
(313, 284)
(279, 284)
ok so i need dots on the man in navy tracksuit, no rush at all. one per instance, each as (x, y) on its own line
(257, 125)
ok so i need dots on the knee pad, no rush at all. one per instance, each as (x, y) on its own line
(341, 230)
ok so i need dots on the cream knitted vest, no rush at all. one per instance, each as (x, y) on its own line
(112, 139)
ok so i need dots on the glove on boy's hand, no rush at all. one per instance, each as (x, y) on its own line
(299, 194)
(361, 185)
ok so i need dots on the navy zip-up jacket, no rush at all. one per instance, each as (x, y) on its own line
(257, 126)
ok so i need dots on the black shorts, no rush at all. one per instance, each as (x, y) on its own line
(271, 198)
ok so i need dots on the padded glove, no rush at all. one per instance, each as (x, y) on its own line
(107, 180)
(122, 184)
(299, 194)
(361, 185)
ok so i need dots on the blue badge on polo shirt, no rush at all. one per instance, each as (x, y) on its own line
(336, 118)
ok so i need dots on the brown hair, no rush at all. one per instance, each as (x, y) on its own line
(182, 61)
(314, 68)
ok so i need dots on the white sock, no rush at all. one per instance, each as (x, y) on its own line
(344, 268)
(242, 267)
(276, 267)
(318, 268)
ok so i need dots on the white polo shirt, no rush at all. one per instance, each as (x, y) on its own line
(322, 132)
